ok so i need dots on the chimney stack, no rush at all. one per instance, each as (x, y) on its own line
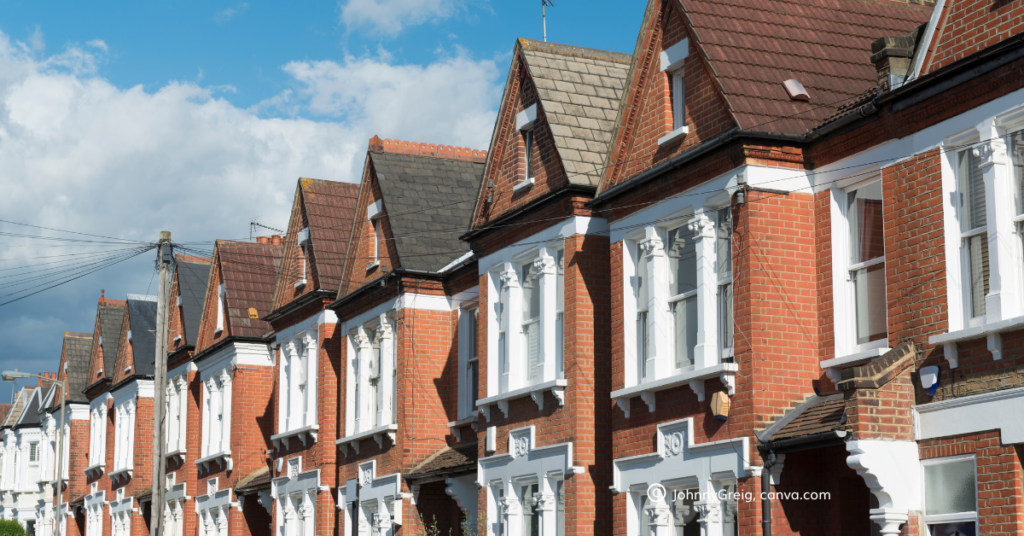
(892, 57)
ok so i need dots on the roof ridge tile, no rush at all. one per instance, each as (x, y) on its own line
(433, 150)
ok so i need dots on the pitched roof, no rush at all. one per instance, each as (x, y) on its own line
(5, 410)
(751, 47)
(77, 349)
(813, 416)
(30, 412)
(418, 194)
(20, 399)
(446, 461)
(142, 325)
(256, 480)
(249, 272)
(579, 90)
(328, 209)
(111, 319)
(193, 276)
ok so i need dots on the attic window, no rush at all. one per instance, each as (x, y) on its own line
(303, 239)
(374, 213)
(796, 90)
(672, 59)
(221, 298)
(524, 124)
(179, 301)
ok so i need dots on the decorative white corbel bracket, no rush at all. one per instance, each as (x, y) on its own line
(698, 388)
(892, 472)
(950, 353)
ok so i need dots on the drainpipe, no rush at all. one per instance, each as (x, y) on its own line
(766, 488)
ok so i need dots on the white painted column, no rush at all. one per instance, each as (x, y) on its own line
(705, 353)
(294, 402)
(386, 340)
(225, 436)
(311, 340)
(547, 508)
(547, 273)
(659, 514)
(361, 369)
(659, 322)
(511, 511)
(512, 318)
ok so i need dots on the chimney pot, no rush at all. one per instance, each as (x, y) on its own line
(277, 240)
(262, 239)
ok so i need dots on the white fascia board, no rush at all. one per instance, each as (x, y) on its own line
(576, 225)
(255, 354)
(997, 410)
(140, 388)
(327, 316)
(713, 191)
(408, 300)
(99, 401)
(895, 151)
(182, 369)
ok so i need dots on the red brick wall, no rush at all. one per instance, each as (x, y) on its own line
(125, 355)
(507, 165)
(207, 335)
(648, 112)
(293, 269)
(1000, 477)
(78, 459)
(360, 252)
(968, 26)
(186, 470)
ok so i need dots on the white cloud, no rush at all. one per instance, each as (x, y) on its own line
(229, 13)
(79, 153)
(36, 41)
(98, 44)
(388, 17)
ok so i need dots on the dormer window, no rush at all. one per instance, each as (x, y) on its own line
(524, 124)
(672, 59)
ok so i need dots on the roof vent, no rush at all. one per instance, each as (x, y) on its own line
(796, 90)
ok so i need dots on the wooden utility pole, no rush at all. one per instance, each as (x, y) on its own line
(156, 509)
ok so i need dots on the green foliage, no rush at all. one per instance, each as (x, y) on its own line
(10, 527)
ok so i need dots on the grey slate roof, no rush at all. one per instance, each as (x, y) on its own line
(77, 349)
(579, 90)
(418, 201)
(111, 319)
(30, 415)
(192, 280)
(142, 323)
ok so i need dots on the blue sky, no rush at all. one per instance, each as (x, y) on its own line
(126, 118)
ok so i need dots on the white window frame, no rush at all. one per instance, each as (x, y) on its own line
(295, 494)
(1004, 302)
(216, 398)
(508, 375)
(525, 121)
(374, 214)
(672, 60)
(949, 518)
(297, 409)
(710, 360)
(468, 315)
(364, 417)
(726, 354)
(304, 245)
(847, 351)
(177, 413)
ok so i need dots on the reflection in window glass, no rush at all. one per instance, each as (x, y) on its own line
(867, 261)
(531, 319)
(973, 221)
(642, 299)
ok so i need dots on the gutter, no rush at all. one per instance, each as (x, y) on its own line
(904, 96)
(130, 379)
(378, 281)
(299, 303)
(532, 205)
(94, 384)
(180, 350)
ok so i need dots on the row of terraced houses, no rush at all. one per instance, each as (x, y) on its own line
(779, 247)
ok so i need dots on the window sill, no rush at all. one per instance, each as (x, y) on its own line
(377, 433)
(95, 470)
(309, 431)
(833, 366)
(125, 473)
(372, 265)
(992, 330)
(726, 372)
(300, 284)
(456, 426)
(523, 184)
(176, 455)
(223, 458)
(674, 136)
(536, 392)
